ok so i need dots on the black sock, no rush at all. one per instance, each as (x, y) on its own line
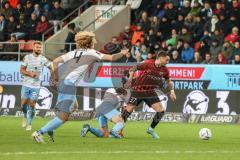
(156, 119)
(125, 115)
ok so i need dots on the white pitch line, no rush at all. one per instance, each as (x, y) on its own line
(120, 152)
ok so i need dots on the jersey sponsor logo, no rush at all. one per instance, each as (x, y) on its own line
(196, 103)
(44, 99)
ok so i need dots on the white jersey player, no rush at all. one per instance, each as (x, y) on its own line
(69, 74)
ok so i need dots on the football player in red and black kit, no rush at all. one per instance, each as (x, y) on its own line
(144, 87)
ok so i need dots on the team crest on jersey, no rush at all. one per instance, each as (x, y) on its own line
(196, 103)
(44, 99)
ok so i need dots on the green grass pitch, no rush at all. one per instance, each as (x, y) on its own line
(177, 142)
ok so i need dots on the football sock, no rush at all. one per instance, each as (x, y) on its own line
(125, 115)
(51, 125)
(24, 110)
(30, 115)
(96, 132)
(156, 119)
(118, 127)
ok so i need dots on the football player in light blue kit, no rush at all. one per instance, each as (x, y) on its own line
(31, 69)
(108, 110)
(69, 74)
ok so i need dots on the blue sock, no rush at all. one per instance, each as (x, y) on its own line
(118, 127)
(30, 115)
(51, 125)
(96, 132)
(24, 110)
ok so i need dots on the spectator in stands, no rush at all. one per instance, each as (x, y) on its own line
(158, 11)
(165, 27)
(127, 58)
(185, 35)
(28, 10)
(18, 11)
(179, 46)
(185, 9)
(204, 48)
(145, 22)
(70, 38)
(150, 38)
(236, 50)
(198, 28)
(154, 23)
(3, 28)
(206, 12)
(231, 23)
(7, 10)
(11, 25)
(171, 12)
(37, 11)
(212, 24)
(189, 23)
(175, 57)
(218, 36)
(223, 23)
(126, 34)
(235, 9)
(236, 59)
(11, 46)
(13, 3)
(173, 40)
(187, 53)
(138, 35)
(233, 37)
(221, 59)
(179, 23)
(144, 52)
(151, 56)
(136, 49)
(208, 59)
(21, 28)
(197, 58)
(218, 9)
(215, 48)
(57, 15)
(42, 26)
(196, 8)
(227, 50)
(31, 27)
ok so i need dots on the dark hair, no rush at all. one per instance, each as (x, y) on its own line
(162, 54)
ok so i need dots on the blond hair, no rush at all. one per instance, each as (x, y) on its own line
(85, 39)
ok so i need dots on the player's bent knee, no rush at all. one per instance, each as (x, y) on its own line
(63, 116)
(157, 107)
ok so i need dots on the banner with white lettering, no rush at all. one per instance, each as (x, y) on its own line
(106, 75)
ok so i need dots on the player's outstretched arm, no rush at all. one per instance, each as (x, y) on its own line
(116, 56)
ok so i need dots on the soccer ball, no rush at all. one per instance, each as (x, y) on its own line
(205, 134)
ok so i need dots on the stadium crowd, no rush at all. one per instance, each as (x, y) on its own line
(197, 31)
(192, 31)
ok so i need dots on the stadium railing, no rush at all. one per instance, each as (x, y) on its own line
(26, 48)
(77, 12)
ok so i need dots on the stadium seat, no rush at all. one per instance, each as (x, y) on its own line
(29, 45)
(22, 44)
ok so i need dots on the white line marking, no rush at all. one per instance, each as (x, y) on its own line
(120, 152)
